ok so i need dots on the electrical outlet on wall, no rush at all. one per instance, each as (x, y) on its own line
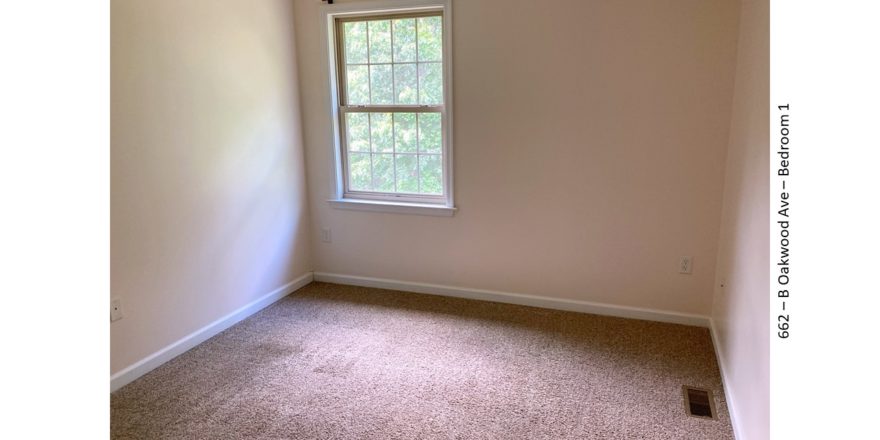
(326, 237)
(115, 309)
(686, 265)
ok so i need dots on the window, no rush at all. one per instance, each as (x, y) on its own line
(391, 92)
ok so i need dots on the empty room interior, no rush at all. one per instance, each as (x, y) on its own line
(432, 219)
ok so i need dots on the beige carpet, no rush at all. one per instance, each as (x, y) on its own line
(339, 362)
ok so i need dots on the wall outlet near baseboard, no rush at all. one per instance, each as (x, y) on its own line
(115, 309)
(686, 265)
(326, 236)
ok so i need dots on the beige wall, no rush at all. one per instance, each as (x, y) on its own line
(208, 191)
(589, 142)
(741, 309)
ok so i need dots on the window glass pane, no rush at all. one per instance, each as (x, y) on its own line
(394, 62)
(405, 84)
(355, 36)
(381, 84)
(405, 132)
(430, 173)
(383, 172)
(358, 85)
(358, 126)
(359, 171)
(430, 38)
(404, 40)
(430, 134)
(430, 83)
(380, 132)
(407, 173)
(380, 41)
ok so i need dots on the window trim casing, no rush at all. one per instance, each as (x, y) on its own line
(418, 204)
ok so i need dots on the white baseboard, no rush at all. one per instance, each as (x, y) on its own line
(719, 357)
(520, 299)
(147, 364)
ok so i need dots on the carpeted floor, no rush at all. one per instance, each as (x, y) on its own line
(340, 362)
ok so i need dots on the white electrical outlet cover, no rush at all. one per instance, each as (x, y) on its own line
(115, 309)
(686, 265)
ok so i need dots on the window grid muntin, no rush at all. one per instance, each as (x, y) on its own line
(393, 109)
(372, 152)
(342, 64)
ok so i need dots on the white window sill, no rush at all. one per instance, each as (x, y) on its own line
(393, 207)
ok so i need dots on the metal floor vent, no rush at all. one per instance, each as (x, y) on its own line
(699, 402)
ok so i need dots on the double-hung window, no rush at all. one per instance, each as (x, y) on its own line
(392, 97)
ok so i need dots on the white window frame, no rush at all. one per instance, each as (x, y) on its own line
(396, 203)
